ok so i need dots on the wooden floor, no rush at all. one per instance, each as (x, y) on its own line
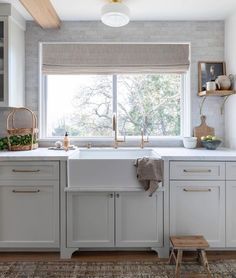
(109, 256)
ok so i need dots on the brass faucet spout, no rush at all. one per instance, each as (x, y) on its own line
(114, 128)
(143, 141)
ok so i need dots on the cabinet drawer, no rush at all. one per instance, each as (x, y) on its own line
(29, 170)
(197, 170)
(230, 170)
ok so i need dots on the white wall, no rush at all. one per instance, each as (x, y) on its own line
(230, 58)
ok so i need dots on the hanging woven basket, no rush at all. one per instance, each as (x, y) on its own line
(20, 138)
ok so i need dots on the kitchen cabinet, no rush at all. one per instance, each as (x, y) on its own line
(12, 57)
(90, 219)
(198, 208)
(230, 204)
(29, 205)
(197, 200)
(139, 219)
(230, 213)
(197, 170)
(114, 219)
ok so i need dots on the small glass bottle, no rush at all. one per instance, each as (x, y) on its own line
(66, 141)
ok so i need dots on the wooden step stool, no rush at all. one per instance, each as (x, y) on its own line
(181, 243)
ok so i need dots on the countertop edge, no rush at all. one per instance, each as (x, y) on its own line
(167, 154)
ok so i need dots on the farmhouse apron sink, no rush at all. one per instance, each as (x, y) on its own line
(106, 168)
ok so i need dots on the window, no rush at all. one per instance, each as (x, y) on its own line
(151, 102)
(84, 104)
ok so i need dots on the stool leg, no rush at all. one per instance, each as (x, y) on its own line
(205, 263)
(178, 263)
(199, 258)
(172, 256)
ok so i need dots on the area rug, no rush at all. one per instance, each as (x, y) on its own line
(122, 269)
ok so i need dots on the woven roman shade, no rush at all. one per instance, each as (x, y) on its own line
(76, 58)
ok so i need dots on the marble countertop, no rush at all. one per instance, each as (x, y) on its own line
(220, 154)
(38, 154)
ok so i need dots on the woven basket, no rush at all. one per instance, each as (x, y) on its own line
(15, 134)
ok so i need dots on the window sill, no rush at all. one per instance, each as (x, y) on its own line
(154, 141)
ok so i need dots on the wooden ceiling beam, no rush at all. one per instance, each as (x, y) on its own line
(42, 12)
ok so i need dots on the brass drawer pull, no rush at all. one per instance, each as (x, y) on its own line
(197, 190)
(25, 191)
(111, 195)
(197, 171)
(25, 171)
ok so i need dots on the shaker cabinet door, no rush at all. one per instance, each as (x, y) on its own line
(90, 219)
(139, 219)
(230, 214)
(29, 215)
(198, 208)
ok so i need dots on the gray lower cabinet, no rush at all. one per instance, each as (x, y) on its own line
(114, 219)
(90, 219)
(230, 204)
(230, 213)
(29, 207)
(202, 200)
(198, 208)
(139, 219)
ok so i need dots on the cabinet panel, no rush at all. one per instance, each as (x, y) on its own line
(29, 170)
(230, 213)
(12, 73)
(29, 215)
(230, 170)
(194, 170)
(90, 219)
(1, 61)
(139, 219)
(198, 208)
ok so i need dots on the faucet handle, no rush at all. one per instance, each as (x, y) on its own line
(143, 140)
(147, 139)
(89, 145)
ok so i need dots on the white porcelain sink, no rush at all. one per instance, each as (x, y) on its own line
(106, 168)
(113, 153)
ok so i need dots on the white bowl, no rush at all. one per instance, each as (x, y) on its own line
(190, 142)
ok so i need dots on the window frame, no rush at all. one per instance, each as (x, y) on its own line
(185, 118)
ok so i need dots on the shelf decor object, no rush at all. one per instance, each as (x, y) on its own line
(22, 138)
(208, 72)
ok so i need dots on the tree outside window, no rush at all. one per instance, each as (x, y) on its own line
(83, 104)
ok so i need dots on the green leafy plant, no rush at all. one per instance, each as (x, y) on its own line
(3, 143)
(16, 140)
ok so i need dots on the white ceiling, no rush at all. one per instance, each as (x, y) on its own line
(141, 9)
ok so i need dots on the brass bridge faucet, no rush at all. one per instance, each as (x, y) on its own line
(143, 140)
(114, 128)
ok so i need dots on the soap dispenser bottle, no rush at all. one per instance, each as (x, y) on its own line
(66, 141)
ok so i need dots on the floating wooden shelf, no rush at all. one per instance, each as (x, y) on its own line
(219, 93)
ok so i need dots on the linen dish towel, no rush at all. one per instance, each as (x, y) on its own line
(149, 173)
